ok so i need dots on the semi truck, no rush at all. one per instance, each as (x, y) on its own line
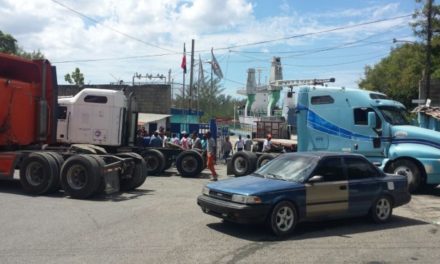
(359, 121)
(28, 144)
(107, 118)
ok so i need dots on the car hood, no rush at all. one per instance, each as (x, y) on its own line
(252, 185)
(413, 134)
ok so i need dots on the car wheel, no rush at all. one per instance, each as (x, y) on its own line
(382, 209)
(155, 161)
(243, 163)
(263, 159)
(189, 163)
(409, 169)
(283, 219)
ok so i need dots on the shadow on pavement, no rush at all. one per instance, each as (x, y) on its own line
(431, 191)
(342, 228)
(14, 187)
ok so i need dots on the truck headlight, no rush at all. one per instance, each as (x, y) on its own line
(205, 191)
(246, 199)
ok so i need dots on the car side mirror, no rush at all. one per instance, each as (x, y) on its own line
(315, 179)
(372, 119)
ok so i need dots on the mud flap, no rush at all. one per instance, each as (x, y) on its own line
(229, 170)
(111, 179)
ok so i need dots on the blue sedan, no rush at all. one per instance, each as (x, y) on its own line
(297, 187)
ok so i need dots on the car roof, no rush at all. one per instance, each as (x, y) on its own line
(324, 154)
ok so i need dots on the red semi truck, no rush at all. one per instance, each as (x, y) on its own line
(28, 127)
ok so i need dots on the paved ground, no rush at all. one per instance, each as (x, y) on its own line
(161, 223)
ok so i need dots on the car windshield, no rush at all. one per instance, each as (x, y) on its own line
(395, 115)
(288, 168)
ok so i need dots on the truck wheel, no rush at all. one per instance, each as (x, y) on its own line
(59, 160)
(139, 174)
(168, 164)
(80, 176)
(243, 163)
(283, 219)
(38, 173)
(409, 169)
(155, 161)
(263, 159)
(189, 163)
(381, 210)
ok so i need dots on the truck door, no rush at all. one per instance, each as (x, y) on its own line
(366, 140)
(62, 134)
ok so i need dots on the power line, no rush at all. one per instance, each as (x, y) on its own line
(118, 58)
(108, 27)
(336, 64)
(312, 33)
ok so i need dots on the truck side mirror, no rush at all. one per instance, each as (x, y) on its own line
(372, 119)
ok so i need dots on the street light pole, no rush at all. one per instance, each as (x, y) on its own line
(428, 49)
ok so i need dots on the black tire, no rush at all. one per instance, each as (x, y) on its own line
(59, 163)
(155, 161)
(283, 219)
(38, 173)
(189, 163)
(263, 159)
(243, 163)
(409, 169)
(81, 176)
(139, 174)
(382, 209)
(168, 164)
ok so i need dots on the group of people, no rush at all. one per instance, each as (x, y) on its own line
(240, 145)
(159, 139)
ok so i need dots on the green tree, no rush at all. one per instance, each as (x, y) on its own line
(397, 75)
(8, 44)
(76, 77)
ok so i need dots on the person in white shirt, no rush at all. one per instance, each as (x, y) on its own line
(239, 144)
(267, 144)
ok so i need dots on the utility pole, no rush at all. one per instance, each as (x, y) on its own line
(191, 75)
(428, 48)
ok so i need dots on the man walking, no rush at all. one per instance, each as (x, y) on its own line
(211, 155)
(248, 143)
(239, 144)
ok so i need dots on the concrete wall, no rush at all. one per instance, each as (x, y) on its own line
(150, 98)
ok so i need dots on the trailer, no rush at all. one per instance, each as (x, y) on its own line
(28, 126)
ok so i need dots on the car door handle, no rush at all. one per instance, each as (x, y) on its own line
(343, 187)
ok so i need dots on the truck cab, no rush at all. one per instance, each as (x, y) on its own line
(368, 123)
(92, 116)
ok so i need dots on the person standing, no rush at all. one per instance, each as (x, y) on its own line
(226, 148)
(267, 144)
(184, 140)
(248, 143)
(211, 155)
(239, 144)
(174, 139)
(156, 140)
(197, 142)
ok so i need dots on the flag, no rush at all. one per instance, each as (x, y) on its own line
(183, 64)
(215, 66)
(201, 75)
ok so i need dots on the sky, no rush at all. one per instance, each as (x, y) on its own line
(113, 40)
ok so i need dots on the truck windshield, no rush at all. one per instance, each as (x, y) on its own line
(289, 167)
(395, 115)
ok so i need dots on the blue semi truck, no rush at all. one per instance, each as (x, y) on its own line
(364, 122)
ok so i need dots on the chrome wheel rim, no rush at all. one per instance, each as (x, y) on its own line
(35, 173)
(240, 165)
(77, 177)
(284, 218)
(383, 209)
(405, 171)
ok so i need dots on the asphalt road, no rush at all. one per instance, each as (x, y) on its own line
(161, 223)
